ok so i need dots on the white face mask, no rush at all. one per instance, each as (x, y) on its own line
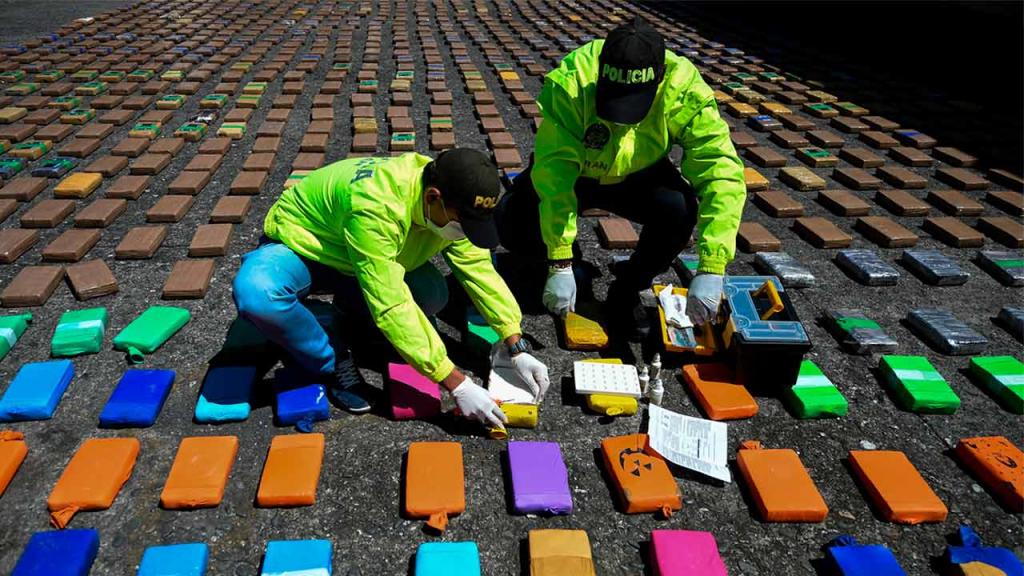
(451, 231)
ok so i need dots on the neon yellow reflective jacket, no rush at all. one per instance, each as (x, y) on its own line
(364, 217)
(684, 113)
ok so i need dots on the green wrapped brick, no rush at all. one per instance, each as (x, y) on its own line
(150, 330)
(1003, 378)
(79, 332)
(11, 328)
(814, 395)
(479, 336)
(917, 386)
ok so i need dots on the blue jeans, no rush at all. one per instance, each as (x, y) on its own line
(273, 281)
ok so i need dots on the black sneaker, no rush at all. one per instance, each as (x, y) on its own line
(348, 389)
(626, 315)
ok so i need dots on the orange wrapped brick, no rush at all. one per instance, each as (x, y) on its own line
(434, 482)
(780, 485)
(12, 453)
(92, 478)
(199, 473)
(716, 390)
(641, 477)
(560, 553)
(292, 471)
(896, 488)
(994, 461)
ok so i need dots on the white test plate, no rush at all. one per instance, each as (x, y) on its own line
(600, 378)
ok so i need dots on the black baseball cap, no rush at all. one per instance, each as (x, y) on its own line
(632, 65)
(468, 182)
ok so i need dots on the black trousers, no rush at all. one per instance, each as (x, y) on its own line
(656, 197)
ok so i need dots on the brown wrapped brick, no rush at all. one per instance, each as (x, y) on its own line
(616, 233)
(884, 232)
(753, 237)
(140, 242)
(33, 286)
(91, 279)
(821, 233)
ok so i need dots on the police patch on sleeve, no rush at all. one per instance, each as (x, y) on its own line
(596, 136)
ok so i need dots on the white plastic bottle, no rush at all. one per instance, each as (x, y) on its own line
(645, 378)
(656, 392)
(656, 366)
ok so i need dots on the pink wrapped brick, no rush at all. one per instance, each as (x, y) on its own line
(411, 394)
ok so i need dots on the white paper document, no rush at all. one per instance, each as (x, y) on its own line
(693, 443)
(505, 385)
(674, 307)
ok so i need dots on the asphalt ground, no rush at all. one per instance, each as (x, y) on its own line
(358, 503)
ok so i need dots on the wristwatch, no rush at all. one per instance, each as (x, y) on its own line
(519, 347)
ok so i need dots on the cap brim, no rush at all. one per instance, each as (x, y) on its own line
(626, 108)
(481, 232)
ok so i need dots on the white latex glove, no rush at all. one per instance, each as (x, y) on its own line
(532, 371)
(476, 403)
(703, 298)
(560, 291)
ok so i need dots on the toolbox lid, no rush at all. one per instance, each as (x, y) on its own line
(747, 319)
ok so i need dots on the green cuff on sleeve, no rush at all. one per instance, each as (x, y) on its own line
(711, 265)
(560, 252)
(443, 370)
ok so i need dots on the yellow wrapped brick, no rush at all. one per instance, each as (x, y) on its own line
(608, 404)
(612, 405)
(12, 114)
(519, 416)
(78, 185)
(584, 334)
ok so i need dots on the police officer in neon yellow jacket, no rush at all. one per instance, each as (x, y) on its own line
(366, 229)
(612, 111)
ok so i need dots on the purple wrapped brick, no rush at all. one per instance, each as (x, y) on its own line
(540, 482)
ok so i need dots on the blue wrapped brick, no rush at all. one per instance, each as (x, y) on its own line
(853, 559)
(299, 401)
(138, 399)
(59, 553)
(297, 558)
(982, 559)
(448, 559)
(175, 560)
(226, 394)
(36, 390)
